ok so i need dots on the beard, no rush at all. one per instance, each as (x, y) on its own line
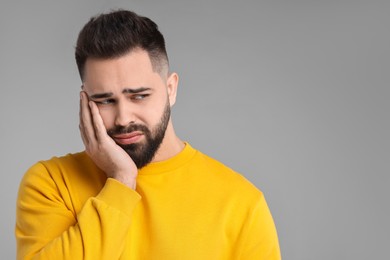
(142, 153)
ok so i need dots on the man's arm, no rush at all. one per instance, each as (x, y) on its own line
(47, 229)
(259, 239)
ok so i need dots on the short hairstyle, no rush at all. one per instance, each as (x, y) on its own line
(117, 33)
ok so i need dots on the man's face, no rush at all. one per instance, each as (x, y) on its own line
(133, 100)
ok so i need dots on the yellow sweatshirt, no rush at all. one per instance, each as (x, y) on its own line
(187, 207)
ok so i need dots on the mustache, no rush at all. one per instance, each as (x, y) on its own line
(117, 130)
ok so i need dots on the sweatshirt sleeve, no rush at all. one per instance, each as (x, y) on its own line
(47, 229)
(259, 239)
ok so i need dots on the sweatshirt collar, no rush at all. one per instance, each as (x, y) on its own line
(170, 164)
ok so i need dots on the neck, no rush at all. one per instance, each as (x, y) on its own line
(170, 146)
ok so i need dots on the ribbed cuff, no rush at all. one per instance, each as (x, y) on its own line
(118, 195)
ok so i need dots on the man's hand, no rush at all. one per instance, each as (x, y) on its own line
(102, 149)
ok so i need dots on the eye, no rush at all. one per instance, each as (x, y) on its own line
(139, 96)
(105, 101)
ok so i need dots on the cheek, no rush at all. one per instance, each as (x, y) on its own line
(147, 116)
(107, 117)
(158, 112)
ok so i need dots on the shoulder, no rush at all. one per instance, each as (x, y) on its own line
(59, 165)
(59, 170)
(68, 180)
(226, 178)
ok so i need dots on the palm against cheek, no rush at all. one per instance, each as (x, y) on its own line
(106, 154)
(111, 158)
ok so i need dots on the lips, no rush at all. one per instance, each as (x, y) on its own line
(128, 138)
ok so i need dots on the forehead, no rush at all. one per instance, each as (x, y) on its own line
(133, 69)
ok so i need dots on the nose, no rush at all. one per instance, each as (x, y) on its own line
(124, 114)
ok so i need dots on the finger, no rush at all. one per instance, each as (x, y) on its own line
(85, 119)
(97, 121)
(81, 123)
(82, 134)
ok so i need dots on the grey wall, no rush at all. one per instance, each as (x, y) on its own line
(293, 94)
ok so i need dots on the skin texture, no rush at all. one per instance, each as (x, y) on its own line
(106, 102)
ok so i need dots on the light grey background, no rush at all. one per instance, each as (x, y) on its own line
(293, 94)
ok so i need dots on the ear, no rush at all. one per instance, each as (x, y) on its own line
(172, 83)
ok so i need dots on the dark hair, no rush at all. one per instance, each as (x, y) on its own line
(117, 33)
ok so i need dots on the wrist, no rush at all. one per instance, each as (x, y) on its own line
(128, 181)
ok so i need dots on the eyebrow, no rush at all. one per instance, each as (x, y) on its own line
(134, 91)
(125, 91)
(101, 95)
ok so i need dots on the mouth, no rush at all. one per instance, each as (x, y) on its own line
(129, 138)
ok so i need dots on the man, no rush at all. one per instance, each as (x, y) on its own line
(138, 191)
